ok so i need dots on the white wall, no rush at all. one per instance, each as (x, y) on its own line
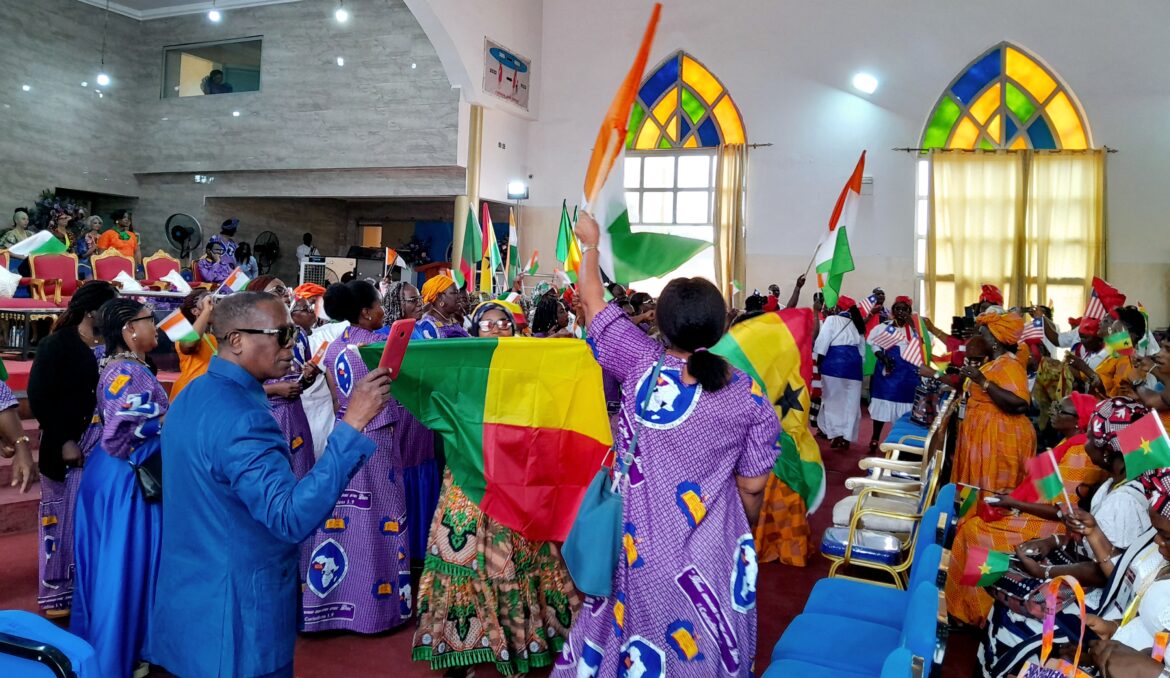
(788, 64)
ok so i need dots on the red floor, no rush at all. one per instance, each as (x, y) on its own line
(782, 592)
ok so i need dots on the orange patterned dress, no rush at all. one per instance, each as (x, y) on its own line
(992, 444)
(971, 604)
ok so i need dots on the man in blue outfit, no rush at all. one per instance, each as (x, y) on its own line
(226, 598)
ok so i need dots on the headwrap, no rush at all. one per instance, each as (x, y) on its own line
(772, 304)
(392, 301)
(992, 295)
(1113, 415)
(1089, 326)
(904, 300)
(505, 306)
(230, 225)
(434, 286)
(308, 291)
(1005, 327)
(845, 303)
(542, 289)
(1156, 484)
(1084, 405)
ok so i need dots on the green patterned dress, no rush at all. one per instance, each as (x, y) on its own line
(487, 595)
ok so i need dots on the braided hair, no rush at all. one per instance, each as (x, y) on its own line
(87, 299)
(544, 318)
(112, 317)
(392, 302)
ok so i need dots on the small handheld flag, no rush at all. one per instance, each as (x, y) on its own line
(887, 339)
(1033, 331)
(984, 567)
(393, 258)
(867, 304)
(533, 263)
(968, 500)
(319, 354)
(235, 282)
(1103, 300)
(1145, 446)
(41, 242)
(178, 328)
(1120, 343)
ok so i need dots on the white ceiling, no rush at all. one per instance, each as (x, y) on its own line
(158, 9)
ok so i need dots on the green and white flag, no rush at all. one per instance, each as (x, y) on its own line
(41, 242)
(834, 258)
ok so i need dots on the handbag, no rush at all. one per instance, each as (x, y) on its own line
(149, 476)
(594, 544)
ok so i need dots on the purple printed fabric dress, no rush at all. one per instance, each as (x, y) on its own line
(684, 601)
(358, 574)
(55, 516)
(290, 414)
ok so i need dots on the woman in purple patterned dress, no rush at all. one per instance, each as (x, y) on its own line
(214, 266)
(62, 394)
(684, 592)
(118, 532)
(416, 443)
(358, 576)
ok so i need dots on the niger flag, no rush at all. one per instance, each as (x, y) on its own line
(523, 421)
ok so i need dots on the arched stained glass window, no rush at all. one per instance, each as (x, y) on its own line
(682, 105)
(1007, 99)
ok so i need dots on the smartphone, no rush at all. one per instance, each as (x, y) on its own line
(396, 344)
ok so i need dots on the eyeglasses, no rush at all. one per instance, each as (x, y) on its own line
(411, 300)
(140, 318)
(301, 308)
(487, 325)
(280, 291)
(284, 334)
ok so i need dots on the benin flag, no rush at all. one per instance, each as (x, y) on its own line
(775, 349)
(523, 422)
(1120, 343)
(513, 259)
(627, 256)
(471, 252)
(41, 242)
(178, 328)
(968, 500)
(834, 258)
(491, 253)
(1145, 445)
(984, 567)
(568, 251)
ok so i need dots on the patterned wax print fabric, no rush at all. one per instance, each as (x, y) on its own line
(229, 248)
(214, 271)
(290, 414)
(970, 604)
(434, 327)
(358, 572)
(118, 533)
(488, 595)
(684, 591)
(993, 445)
(892, 395)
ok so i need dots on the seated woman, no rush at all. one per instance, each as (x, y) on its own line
(213, 266)
(995, 436)
(195, 356)
(514, 598)
(970, 604)
(247, 262)
(1117, 520)
(118, 533)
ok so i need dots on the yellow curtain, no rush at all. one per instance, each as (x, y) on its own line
(1029, 222)
(730, 220)
(976, 224)
(1065, 226)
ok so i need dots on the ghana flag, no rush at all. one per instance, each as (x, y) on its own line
(523, 422)
(775, 349)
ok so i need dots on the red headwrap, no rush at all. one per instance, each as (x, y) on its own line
(904, 300)
(772, 304)
(845, 303)
(1084, 405)
(992, 295)
(1089, 326)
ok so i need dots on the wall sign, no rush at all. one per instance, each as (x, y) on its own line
(505, 74)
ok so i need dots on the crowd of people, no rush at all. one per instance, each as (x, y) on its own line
(323, 504)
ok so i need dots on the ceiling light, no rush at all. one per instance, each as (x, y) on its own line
(103, 79)
(864, 82)
(341, 14)
(84, 83)
(413, 65)
(517, 190)
(340, 61)
(25, 88)
(235, 114)
(214, 16)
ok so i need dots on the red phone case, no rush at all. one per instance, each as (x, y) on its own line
(396, 344)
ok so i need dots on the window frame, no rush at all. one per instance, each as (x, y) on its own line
(167, 49)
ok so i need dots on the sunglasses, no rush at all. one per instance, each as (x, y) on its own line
(487, 325)
(285, 335)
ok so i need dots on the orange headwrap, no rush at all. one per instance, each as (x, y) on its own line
(1005, 327)
(434, 286)
(308, 291)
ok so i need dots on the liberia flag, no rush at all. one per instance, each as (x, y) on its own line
(913, 353)
(887, 339)
(1033, 331)
(834, 258)
(1103, 299)
(867, 304)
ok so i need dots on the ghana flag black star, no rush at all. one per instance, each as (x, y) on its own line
(790, 400)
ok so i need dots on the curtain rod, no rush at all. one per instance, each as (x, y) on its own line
(980, 150)
(759, 145)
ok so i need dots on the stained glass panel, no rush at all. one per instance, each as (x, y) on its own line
(1006, 99)
(682, 105)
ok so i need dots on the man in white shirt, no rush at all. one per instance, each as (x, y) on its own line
(306, 250)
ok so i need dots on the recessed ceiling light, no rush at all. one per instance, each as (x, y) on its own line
(341, 14)
(103, 79)
(413, 65)
(235, 114)
(864, 82)
(84, 83)
(340, 61)
(25, 88)
(214, 16)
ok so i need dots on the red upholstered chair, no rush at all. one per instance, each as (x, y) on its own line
(58, 273)
(32, 285)
(156, 266)
(108, 264)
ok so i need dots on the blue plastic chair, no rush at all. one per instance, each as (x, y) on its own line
(899, 664)
(844, 644)
(32, 646)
